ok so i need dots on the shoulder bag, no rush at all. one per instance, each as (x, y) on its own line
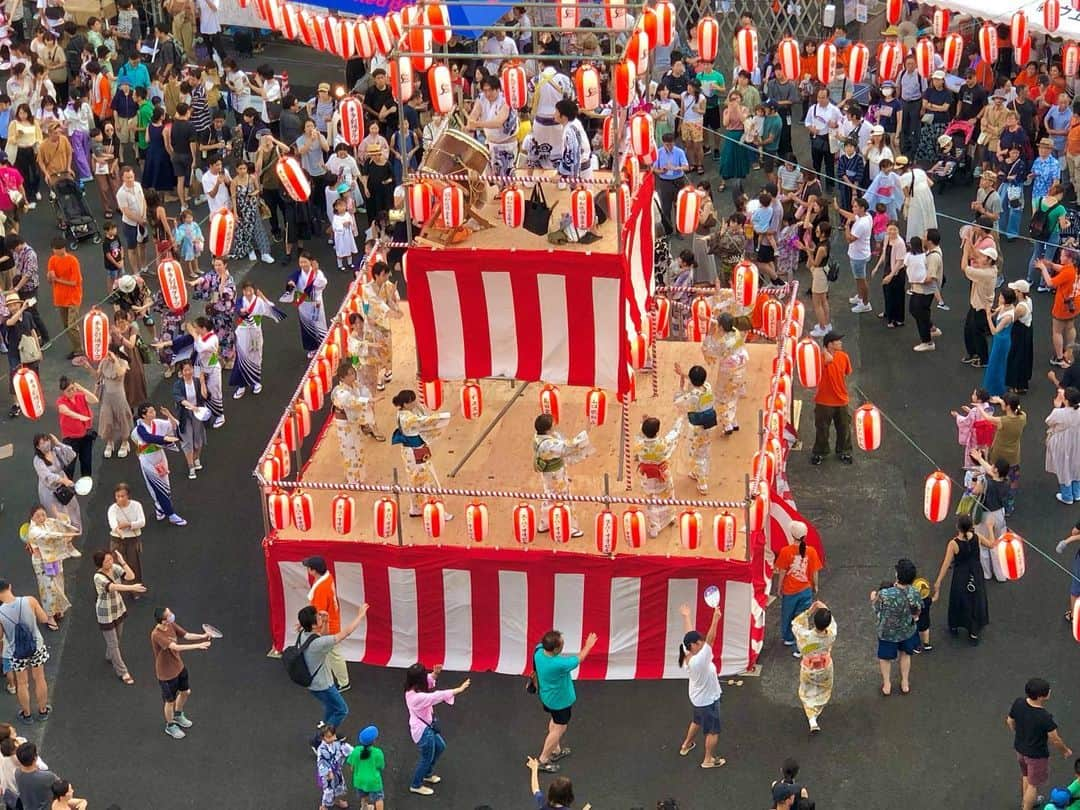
(537, 212)
(29, 349)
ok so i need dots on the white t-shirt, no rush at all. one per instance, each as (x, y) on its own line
(133, 200)
(860, 229)
(704, 685)
(220, 200)
(494, 47)
(208, 17)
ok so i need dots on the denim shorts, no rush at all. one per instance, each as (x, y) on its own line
(858, 267)
(370, 796)
(888, 650)
(708, 717)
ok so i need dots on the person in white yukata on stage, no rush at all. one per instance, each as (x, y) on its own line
(543, 145)
(576, 160)
(491, 113)
(551, 454)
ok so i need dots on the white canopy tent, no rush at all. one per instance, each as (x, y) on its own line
(1002, 11)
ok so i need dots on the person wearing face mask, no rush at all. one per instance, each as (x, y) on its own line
(911, 85)
(169, 667)
(887, 111)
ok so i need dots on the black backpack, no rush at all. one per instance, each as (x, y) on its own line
(293, 658)
(1039, 220)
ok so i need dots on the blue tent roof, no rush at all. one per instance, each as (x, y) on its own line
(467, 20)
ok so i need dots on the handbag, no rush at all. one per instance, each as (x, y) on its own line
(64, 494)
(833, 271)
(985, 430)
(29, 349)
(537, 212)
(421, 453)
(264, 210)
(273, 110)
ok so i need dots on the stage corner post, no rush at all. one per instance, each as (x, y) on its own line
(624, 442)
(653, 320)
(397, 501)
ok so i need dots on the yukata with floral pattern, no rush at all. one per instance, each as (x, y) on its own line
(220, 298)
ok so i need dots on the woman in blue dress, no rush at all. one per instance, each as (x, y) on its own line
(1001, 323)
(157, 168)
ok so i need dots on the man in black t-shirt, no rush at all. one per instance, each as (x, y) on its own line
(1033, 728)
(379, 102)
(180, 143)
(972, 97)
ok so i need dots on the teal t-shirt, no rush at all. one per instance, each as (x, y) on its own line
(772, 125)
(554, 684)
(717, 78)
(367, 773)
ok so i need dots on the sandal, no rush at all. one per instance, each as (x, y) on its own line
(687, 749)
(127, 679)
(1068, 615)
(715, 762)
(43, 714)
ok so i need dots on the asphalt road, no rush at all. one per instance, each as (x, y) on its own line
(946, 742)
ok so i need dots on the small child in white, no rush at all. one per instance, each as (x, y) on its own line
(343, 224)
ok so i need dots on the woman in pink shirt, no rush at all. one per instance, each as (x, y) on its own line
(421, 698)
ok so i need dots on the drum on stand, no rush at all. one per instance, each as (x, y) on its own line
(456, 153)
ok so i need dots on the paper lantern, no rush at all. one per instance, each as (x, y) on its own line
(312, 392)
(567, 14)
(1022, 54)
(434, 518)
(342, 513)
(303, 510)
(222, 227)
(936, 495)
(664, 22)
(512, 207)
(582, 209)
(808, 362)
(759, 510)
(723, 531)
(700, 315)
(393, 22)
(868, 427)
(515, 86)
(687, 210)
(524, 523)
(301, 417)
(607, 133)
(306, 21)
(587, 83)
(1076, 601)
(783, 386)
(744, 281)
(623, 78)
(1018, 28)
(798, 319)
(351, 112)
(615, 14)
(322, 369)
(1070, 59)
(941, 22)
(354, 305)
(707, 38)
(826, 62)
(639, 351)
(386, 517)
(173, 287)
(431, 394)
(763, 466)
(858, 63)
(789, 57)
(476, 522)
(1010, 555)
(1076, 5)
(293, 180)
(635, 527)
(663, 317)
(924, 57)
(322, 32)
(549, 401)
(278, 510)
(472, 400)
(772, 313)
(332, 353)
(690, 529)
(402, 79)
(420, 199)
(363, 39)
(559, 523)
(607, 531)
(952, 52)
(95, 335)
(746, 48)
(279, 451)
(341, 37)
(596, 407)
(776, 402)
(453, 207)
(636, 52)
(437, 16)
(381, 36)
(339, 334)
(28, 393)
(894, 11)
(641, 134)
(890, 60)
(771, 443)
(1051, 16)
(988, 43)
(420, 42)
(271, 469)
(619, 202)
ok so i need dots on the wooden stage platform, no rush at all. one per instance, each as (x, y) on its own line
(504, 460)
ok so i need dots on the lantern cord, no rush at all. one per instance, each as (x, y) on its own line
(960, 484)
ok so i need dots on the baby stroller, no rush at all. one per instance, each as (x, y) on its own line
(960, 133)
(73, 217)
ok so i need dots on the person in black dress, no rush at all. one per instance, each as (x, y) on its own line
(1021, 361)
(968, 606)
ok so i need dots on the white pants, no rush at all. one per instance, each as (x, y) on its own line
(993, 524)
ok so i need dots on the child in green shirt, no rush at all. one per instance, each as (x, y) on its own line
(142, 119)
(367, 763)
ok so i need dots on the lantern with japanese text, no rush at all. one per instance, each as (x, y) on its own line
(301, 417)
(95, 335)
(279, 451)
(587, 84)
(173, 286)
(924, 57)
(293, 180)
(724, 527)
(988, 43)
(858, 63)
(453, 207)
(890, 56)
(663, 317)
(808, 363)
(764, 466)
(402, 79)
(798, 318)
(1009, 552)
(431, 394)
(421, 200)
(623, 78)
(691, 527)
(515, 86)
(476, 522)
(524, 523)
(596, 407)
(607, 133)
(559, 523)
(351, 115)
(386, 517)
(1070, 59)
(607, 531)
(700, 315)
(29, 395)
(759, 510)
(363, 39)
(303, 510)
(952, 52)
(687, 210)
(222, 227)
(1051, 15)
(434, 518)
(512, 207)
(771, 443)
(1018, 28)
(619, 202)
(549, 401)
(582, 209)
(826, 62)
(342, 513)
(635, 527)
(941, 22)
(472, 400)
(772, 314)
(789, 57)
(567, 14)
(936, 496)
(437, 16)
(312, 391)
(641, 134)
(707, 38)
(746, 48)
(636, 51)
(744, 281)
(380, 35)
(868, 427)
(665, 23)
(894, 11)
(278, 510)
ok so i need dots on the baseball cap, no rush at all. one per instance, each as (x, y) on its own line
(989, 252)
(324, 87)
(692, 637)
(797, 529)
(938, 74)
(316, 563)
(1020, 285)
(830, 337)
(782, 791)
(259, 133)
(368, 735)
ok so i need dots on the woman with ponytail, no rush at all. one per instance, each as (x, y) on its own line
(1006, 446)
(696, 654)
(797, 565)
(968, 607)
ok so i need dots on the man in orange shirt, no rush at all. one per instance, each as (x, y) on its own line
(67, 288)
(831, 401)
(1072, 150)
(323, 597)
(1063, 279)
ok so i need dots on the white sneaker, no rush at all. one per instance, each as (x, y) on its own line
(925, 347)
(935, 332)
(191, 473)
(257, 389)
(814, 727)
(817, 332)
(220, 421)
(198, 464)
(252, 256)
(239, 392)
(854, 299)
(267, 258)
(860, 308)
(31, 206)
(423, 790)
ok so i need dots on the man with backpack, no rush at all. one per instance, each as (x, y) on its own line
(305, 661)
(19, 617)
(167, 52)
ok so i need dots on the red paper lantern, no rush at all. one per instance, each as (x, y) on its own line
(746, 48)
(222, 227)
(173, 287)
(759, 510)
(515, 86)
(1022, 53)
(278, 510)
(615, 14)
(988, 43)
(1018, 28)
(322, 33)
(341, 38)
(789, 57)
(393, 22)
(890, 60)
(744, 281)
(28, 393)
(607, 531)
(343, 512)
(339, 334)
(524, 523)
(1010, 555)
(773, 445)
(941, 22)
(707, 38)
(354, 304)
(402, 79)
(381, 35)
(1076, 5)
(386, 517)
(453, 207)
(952, 52)
(635, 527)
(363, 39)
(549, 401)
(419, 41)
(434, 518)
(691, 527)
(431, 394)
(512, 207)
(95, 335)
(421, 200)
(1051, 15)
(826, 62)
(798, 318)
(303, 509)
(808, 363)
(619, 202)
(306, 21)
(567, 14)
(663, 317)
(772, 313)
(271, 469)
(559, 523)
(293, 180)
(596, 407)
(472, 400)
(587, 82)
(313, 392)
(724, 527)
(665, 23)
(868, 427)
(763, 465)
(936, 496)
(332, 353)
(777, 402)
(687, 210)
(641, 134)
(924, 57)
(894, 11)
(279, 451)
(700, 315)
(637, 51)
(639, 351)
(783, 386)
(1070, 59)
(351, 112)
(476, 522)
(322, 369)
(607, 133)
(302, 418)
(858, 63)
(582, 209)
(623, 78)
(437, 15)
(1076, 601)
